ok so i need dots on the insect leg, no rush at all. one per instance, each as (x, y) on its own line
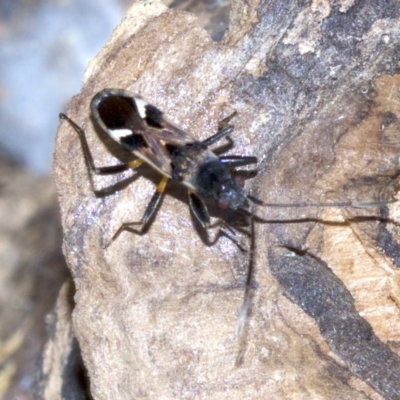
(107, 170)
(200, 211)
(237, 161)
(223, 129)
(149, 212)
(225, 122)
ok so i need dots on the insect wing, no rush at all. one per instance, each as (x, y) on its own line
(158, 138)
(138, 126)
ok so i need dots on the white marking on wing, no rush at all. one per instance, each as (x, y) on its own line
(141, 107)
(117, 134)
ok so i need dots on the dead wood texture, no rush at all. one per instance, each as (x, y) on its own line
(316, 88)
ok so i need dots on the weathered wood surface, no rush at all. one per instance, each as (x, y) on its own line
(316, 88)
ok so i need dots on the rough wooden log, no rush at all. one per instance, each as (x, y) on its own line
(316, 88)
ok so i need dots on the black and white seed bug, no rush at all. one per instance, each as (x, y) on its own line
(142, 129)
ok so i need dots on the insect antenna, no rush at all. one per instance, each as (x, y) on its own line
(245, 307)
(244, 310)
(343, 204)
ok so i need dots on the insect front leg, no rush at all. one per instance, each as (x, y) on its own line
(224, 128)
(237, 161)
(149, 212)
(200, 211)
(92, 169)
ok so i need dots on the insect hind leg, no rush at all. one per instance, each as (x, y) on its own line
(149, 212)
(90, 165)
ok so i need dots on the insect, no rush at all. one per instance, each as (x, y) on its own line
(142, 129)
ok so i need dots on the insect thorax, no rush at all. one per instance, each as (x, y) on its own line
(198, 168)
(186, 159)
(213, 179)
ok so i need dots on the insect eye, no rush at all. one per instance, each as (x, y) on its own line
(239, 180)
(223, 202)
